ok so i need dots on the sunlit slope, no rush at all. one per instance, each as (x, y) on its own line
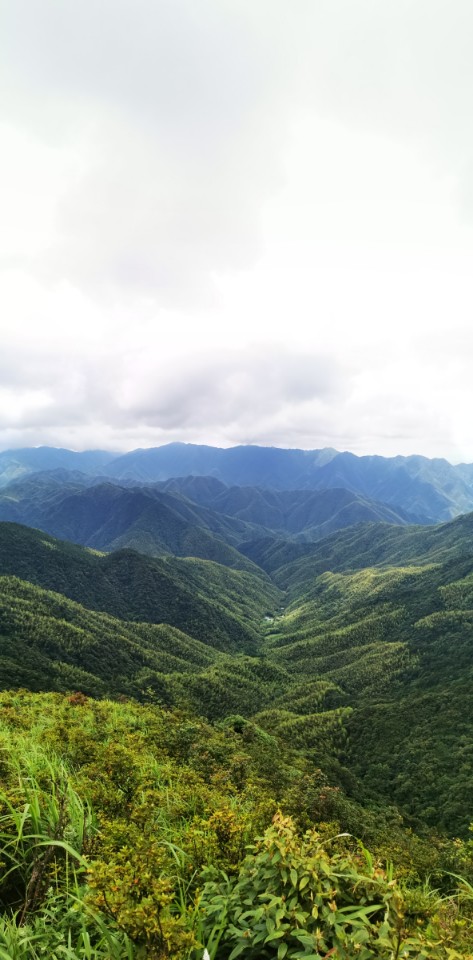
(48, 642)
(396, 644)
(369, 545)
(212, 603)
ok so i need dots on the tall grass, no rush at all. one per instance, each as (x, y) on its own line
(45, 829)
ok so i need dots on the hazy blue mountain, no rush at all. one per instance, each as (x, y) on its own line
(162, 519)
(269, 467)
(432, 490)
(107, 517)
(427, 490)
(20, 463)
(311, 513)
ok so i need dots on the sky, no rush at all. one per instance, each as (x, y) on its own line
(229, 221)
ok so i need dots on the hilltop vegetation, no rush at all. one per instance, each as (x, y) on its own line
(125, 833)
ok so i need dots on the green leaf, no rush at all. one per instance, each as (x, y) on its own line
(360, 913)
(275, 935)
(238, 949)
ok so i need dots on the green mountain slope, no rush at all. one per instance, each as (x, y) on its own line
(370, 545)
(108, 517)
(219, 606)
(397, 643)
(350, 656)
(192, 517)
(50, 643)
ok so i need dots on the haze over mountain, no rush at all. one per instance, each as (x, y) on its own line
(313, 611)
(198, 517)
(426, 490)
(333, 636)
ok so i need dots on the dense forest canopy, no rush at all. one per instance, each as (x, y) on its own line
(262, 750)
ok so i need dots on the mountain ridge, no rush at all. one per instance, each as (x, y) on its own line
(433, 490)
(190, 517)
(371, 635)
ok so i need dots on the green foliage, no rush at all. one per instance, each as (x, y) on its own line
(126, 828)
(164, 792)
(403, 663)
(342, 674)
(302, 897)
(211, 603)
(124, 833)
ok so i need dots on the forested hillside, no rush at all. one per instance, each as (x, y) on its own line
(331, 681)
(334, 656)
(221, 606)
(236, 661)
(196, 517)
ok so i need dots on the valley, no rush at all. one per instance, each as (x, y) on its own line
(334, 658)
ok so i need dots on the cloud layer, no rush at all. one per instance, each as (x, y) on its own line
(237, 222)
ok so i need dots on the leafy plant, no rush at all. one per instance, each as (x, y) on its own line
(296, 899)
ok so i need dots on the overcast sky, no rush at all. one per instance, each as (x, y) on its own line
(237, 221)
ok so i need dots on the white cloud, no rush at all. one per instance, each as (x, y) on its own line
(236, 222)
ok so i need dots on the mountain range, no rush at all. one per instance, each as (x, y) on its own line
(362, 648)
(194, 516)
(339, 623)
(429, 491)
